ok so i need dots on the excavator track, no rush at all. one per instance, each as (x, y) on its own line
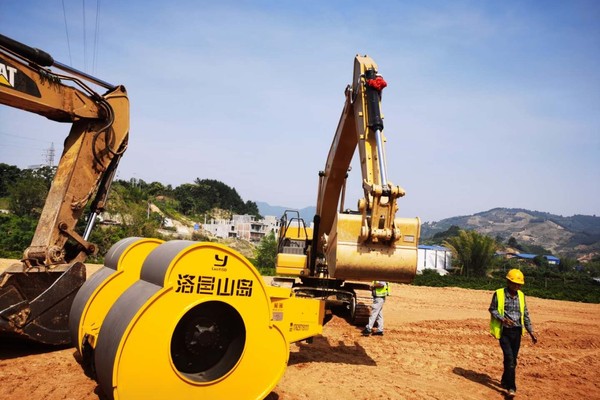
(362, 309)
(348, 300)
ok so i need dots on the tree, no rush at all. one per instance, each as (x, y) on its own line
(9, 175)
(184, 194)
(157, 189)
(266, 253)
(567, 264)
(540, 261)
(441, 236)
(27, 196)
(251, 208)
(472, 251)
(16, 234)
(512, 242)
(206, 194)
(45, 173)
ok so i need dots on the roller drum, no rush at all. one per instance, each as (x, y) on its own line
(198, 324)
(123, 263)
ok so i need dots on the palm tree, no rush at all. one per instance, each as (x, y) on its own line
(472, 251)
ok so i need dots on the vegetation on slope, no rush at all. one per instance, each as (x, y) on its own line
(23, 193)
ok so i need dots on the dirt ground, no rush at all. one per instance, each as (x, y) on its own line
(436, 346)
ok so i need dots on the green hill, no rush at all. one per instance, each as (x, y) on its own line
(576, 236)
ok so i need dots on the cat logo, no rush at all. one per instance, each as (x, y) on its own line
(7, 75)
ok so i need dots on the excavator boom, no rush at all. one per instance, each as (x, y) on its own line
(372, 244)
(36, 293)
(367, 244)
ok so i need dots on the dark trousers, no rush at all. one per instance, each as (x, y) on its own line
(510, 342)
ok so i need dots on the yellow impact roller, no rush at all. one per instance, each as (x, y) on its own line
(97, 295)
(199, 323)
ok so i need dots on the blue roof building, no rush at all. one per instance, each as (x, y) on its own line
(552, 260)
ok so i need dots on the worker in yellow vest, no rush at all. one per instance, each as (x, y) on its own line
(509, 321)
(380, 290)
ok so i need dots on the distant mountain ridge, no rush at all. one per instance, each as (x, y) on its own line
(576, 236)
(306, 213)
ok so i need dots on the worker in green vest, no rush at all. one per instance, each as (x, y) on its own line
(509, 321)
(380, 290)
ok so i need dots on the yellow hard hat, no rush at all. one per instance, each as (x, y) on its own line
(516, 276)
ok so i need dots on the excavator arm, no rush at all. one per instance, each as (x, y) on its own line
(348, 248)
(372, 244)
(36, 294)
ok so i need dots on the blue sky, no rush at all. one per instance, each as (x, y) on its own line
(488, 104)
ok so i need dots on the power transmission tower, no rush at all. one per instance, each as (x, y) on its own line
(49, 154)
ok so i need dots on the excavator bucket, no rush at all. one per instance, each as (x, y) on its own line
(35, 305)
(349, 258)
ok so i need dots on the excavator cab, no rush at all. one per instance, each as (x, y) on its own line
(294, 240)
(37, 291)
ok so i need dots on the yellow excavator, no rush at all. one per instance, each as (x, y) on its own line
(197, 320)
(36, 293)
(343, 249)
(182, 318)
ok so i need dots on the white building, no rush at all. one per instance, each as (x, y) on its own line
(245, 227)
(434, 257)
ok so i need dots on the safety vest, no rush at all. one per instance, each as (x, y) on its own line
(495, 324)
(381, 291)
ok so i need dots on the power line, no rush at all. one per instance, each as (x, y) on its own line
(36, 147)
(84, 40)
(96, 35)
(67, 31)
(21, 146)
(21, 137)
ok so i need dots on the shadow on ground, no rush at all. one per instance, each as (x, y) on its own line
(481, 378)
(321, 350)
(15, 347)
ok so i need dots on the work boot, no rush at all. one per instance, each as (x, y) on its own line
(366, 332)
